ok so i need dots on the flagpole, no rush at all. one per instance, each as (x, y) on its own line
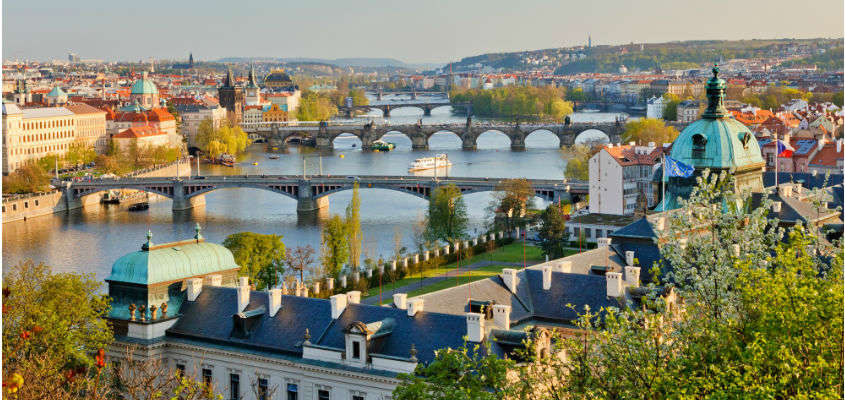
(776, 161)
(663, 182)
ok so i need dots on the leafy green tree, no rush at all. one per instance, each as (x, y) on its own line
(79, 153)
(29, 178)
(517, 102)
(670, 112)
(553, 235)
(578, 167)
(447, 215)
(355, 237)
(314, 106)
(334, 245)
(261, 257)
(228, 138)
(647, 130)
(466, 373)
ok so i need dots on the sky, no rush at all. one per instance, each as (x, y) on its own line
(422, 31)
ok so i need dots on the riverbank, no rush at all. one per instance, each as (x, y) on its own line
(27, 206)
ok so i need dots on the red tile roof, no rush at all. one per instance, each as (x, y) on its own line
(139, 131)
(626, 155)
(827, 156)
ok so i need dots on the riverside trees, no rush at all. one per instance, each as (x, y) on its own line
(516, 102)
(261, 257)
(446, 219)
(227, 138)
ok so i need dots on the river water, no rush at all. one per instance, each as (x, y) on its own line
(91, 239)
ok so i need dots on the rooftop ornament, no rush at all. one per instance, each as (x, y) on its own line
(307, 337)
(715, 96)
(197, 229)
(146, 246)
(413, 352)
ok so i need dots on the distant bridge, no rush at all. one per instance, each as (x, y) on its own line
(413, 93)
(278, 134)
(310, 191)
(425, 106)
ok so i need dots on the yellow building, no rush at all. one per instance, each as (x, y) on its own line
(275, 114)
(34, 133)
(90, 126)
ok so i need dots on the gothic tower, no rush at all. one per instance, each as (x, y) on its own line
(231, 97)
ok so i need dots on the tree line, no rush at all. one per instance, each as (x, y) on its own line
(516, 102)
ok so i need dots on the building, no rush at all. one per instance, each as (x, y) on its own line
(30, 134)
(56, 97)
(252, 93)
(688, 111)
(717, 142)
(90, 126)
(141, 136)
(254, 114)
(619, 175)
(655, 107)
(193, 114)
(134, 116)
(232, 98)
(180, 302)
(144, 93)
(829, 159)
(274, 113)
(279, 81)
(22, 95)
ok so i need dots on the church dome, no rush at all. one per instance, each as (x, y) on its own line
(717, 140)
(277, 78)
(144, 86)
(57, 92)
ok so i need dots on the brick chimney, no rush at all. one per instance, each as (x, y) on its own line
(547, 277)
(614, 284)
(632, 276)
(275, 301)
(243, 293)
(353, 297)
(776, 206)
(502, 316)
(603, 242)
(400, 300)
(194, 287)
(629, 257)
(415, 306)
(338, 304)
(509, 277)
(475, 327)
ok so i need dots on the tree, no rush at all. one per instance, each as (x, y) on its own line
(578, 166)
(314, 106)
(553, 233)
(300, 259)
(466, 373)
(512, 200)
(353, 228)
(670, 112)
(29, 178)
(645, 130)
(447, 215)
(79, 152)
(334, 245)
(261, 257)
(228, 138)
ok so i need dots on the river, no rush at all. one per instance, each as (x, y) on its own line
(90, 240)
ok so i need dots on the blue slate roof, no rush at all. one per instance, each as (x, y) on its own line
(809, 181)
(638, 229)
(579, 290)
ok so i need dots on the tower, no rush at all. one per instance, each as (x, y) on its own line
(190, 60)
(252, 93)
(589, 42)
(231, 98)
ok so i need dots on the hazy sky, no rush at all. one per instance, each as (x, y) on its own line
(411, 31)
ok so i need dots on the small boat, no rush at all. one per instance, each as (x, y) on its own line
(255, 163)
(439, 161)
(227, 163)
(354, 145)
(273, 157)
(379, 145)
(139, 206)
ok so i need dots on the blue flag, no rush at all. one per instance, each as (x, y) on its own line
(677, 168)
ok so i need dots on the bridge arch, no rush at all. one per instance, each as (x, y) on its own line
(348, 140)
(592, 135)
(493, 139)
(445, 139)
(287, 191)
(543, 138)
(85, 192)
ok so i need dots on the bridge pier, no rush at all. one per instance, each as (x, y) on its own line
(181, 204)
(469, 143)
(308, 205)
(386, 111)
(419, 142)
(427, 111)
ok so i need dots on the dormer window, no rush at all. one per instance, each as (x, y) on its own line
(699, 145)
(356, 350)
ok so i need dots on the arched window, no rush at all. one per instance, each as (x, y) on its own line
(699, 145)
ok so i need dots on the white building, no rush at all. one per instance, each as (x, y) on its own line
(34, 133)
(193, 115)
(618, 175)
(655, 107)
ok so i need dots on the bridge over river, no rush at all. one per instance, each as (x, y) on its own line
(323, 134)
(310, 191)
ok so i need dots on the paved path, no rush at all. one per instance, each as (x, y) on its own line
(388, 294)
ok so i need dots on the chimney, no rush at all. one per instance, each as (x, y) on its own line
(509, 276)
(547, 277)
(502, 316)
(814, 172)
(216, 280)
(475, 327)
(353, 297)
(614, 284)
(338, 304)
(330, 284)
(603, 242)
(629, 257)
(839, 145)
(565, 267)
(776, 206)
(632, 276)
(785, 190)
(194, 288)
(415, 306)
(400, 300)
(660, 224)
(275, 301)
(683, 243)
(243, 293)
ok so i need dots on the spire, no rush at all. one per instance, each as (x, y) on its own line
(229, 80)
(715, 96)
(149, 243)
(252, 76)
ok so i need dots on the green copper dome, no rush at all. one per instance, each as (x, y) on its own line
(171, 262)
(717, 140)
(144, 86)
(56, 92)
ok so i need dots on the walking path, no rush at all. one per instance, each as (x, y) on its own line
(388, 294)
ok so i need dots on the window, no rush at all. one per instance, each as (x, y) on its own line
(180, 369)
(356, 350)
(323, 394)
(234, 386)
(587, 232)
(206, 377)
(262, 389)
(357, 397)
(292, 391)
(26, 204)
(699, 145)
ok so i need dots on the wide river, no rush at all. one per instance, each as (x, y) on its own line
(90, 240)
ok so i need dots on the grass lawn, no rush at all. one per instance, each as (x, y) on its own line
(509, 253)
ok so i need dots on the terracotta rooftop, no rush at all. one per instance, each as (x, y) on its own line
(626, 155)
(139, 132)
(828, 156)
(83, 108)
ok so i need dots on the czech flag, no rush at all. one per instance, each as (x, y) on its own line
(784, 149)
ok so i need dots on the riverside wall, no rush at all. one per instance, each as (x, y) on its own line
(24, 207)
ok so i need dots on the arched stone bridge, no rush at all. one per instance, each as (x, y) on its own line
(310, 192)
(324, 134)
(387, 107)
